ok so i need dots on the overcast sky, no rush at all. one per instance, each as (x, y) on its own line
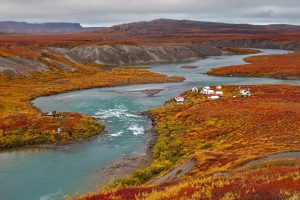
(110, 12)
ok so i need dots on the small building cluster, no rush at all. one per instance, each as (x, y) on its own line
(212, 94)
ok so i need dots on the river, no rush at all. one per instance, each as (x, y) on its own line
(46, 174)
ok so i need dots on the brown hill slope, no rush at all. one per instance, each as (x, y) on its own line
(166, 27)
(158, 32)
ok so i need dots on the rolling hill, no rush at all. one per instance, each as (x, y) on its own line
(164, 27)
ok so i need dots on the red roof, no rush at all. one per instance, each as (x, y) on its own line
(210, 95)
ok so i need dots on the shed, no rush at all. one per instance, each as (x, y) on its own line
(210, 92)
(195, 89)
(220, 93)
(52, 114)
(245, 92)
(213, 96)
(179, 99)
(58, 131)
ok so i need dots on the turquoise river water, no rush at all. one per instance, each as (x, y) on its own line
(45, 174)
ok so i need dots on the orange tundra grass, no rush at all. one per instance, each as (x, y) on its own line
(284, 66)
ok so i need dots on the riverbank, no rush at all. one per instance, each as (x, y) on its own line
(60, 146)
(25, 129)
(221, 135)
(270, 66)
(127, 165)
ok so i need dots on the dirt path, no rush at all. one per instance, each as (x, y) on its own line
(177, 172)
(278, 156)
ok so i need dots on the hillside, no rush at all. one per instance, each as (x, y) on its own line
(167, 27)
(156, 32)
(230, 148)
(142, 54)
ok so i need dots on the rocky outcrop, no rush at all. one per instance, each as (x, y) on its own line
(133, 55)
(130, 55)
(13, 66)
(61, 65)
(65, 52)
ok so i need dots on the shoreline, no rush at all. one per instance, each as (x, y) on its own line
(58, 146)
(249, 76)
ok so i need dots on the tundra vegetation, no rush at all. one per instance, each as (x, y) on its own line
(284, 66)
(222, 136)
(21, 124)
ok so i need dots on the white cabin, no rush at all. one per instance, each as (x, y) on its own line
(195, 89)
(207, 92)
(219, 87)
(51, 114)
(179, 99)
(210, 92)
(214, 97)
(220, 93)
(59, 131)
(203, 91)
(245, 92)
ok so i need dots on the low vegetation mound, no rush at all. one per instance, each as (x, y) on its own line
(222, 136)
(284, 66)
(28, 129)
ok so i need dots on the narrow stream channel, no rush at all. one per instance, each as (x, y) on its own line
(31, 174)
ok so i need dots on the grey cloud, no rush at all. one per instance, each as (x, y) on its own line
(97, 12)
